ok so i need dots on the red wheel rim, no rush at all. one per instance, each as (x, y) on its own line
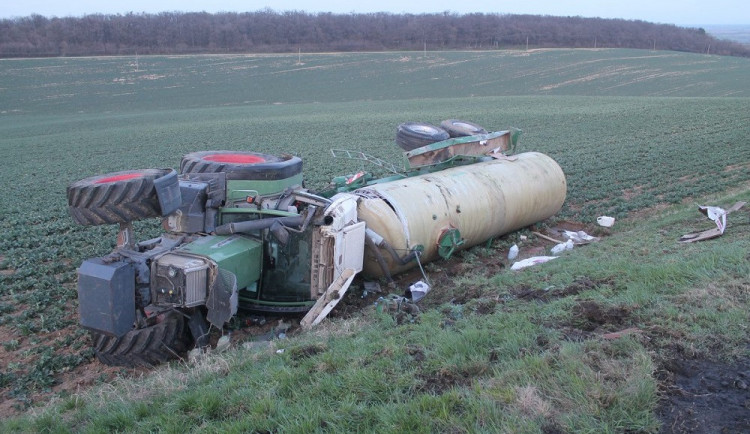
(115, 178)
(234, 158)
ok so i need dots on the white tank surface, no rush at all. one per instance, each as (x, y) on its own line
(457, 208)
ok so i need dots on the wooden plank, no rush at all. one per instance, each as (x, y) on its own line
(541, 235)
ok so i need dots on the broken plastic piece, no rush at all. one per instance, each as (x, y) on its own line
(355, 177)
(418, 291)
(534, 260)
(605, 221)
(716, 214)
(513, 252)
(223, 344)
(373, 287)
(568, 245)
(580, 237)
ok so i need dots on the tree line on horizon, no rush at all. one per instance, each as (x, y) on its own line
(268, 31)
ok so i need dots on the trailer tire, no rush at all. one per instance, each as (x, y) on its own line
(144, 347)
(242, 165)
(413, 135)
(118, 197)
(459, 128)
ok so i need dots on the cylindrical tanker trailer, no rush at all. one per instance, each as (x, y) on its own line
(456, 208)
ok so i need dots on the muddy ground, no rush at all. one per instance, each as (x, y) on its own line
(701, 396)
(697, 395)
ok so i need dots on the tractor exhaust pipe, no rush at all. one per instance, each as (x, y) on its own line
(257, 225)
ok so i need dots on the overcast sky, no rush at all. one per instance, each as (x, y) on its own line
(680, 12)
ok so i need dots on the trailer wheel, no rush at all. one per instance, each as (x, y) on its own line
(242, 165)
(147, 347)
(118, 197)
(459, 128)
(413, 135)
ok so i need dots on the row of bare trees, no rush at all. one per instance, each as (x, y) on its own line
(270, 31)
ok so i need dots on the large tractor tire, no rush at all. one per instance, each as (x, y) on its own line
(118, 197)
(413, 135)
(242, 165)
(148, 346)
(459, 128)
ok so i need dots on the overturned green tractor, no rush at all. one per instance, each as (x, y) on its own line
(241, 232)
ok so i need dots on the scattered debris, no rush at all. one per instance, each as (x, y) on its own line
(559, 248)
(198, 353)
(570, 238)
(718, 216)
(373, 287)
(255, 320)
(370, 288)
(282, 327)
(401, 308)
(580, 237)
(223, 344)
(528, 262)
(257, 345)
(513, 252)
(605, 221)
(418, 290)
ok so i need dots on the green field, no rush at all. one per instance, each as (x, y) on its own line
(636, 132)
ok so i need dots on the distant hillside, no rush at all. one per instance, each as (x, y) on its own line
(737, 33)
(269, 31)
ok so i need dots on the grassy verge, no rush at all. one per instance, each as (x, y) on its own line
(529, 351)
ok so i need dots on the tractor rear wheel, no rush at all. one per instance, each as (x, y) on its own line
(148, 346)
(242, 165)
(459, 128)
(413, 135)
(118, 197)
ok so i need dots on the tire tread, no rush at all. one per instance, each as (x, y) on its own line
(144, 347)
(116, 202)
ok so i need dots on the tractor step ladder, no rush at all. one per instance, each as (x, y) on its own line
(329, 299)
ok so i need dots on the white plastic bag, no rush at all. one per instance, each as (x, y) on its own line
(528, 262)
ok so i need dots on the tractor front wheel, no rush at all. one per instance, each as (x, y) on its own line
(413, 135)
(459, 128)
